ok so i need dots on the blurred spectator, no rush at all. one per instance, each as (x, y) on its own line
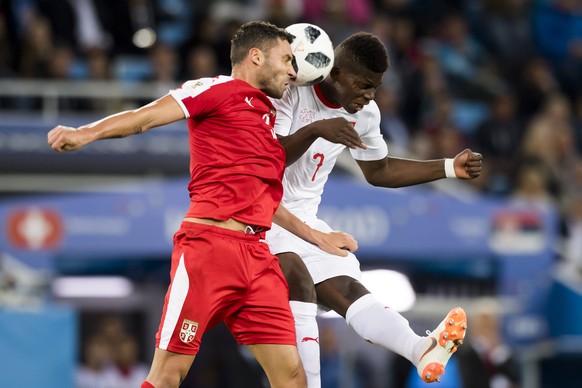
(97, 358)
(577, 122)
(37, 48)
(534, 83)
(497, 138)
(112, 328)
(7, 40)
(549, 139)
(90, 32)
(165, 66)
(99, 65)
(485, 360)
(558, 28)
(201, 62)
(503, 25)
(127, 370)
(422, 89)
(438, 135)
(533, 187)
(208, 32)
(393, 128)
(573, 245)
(339, 18)
(62, 20)
(468, 67)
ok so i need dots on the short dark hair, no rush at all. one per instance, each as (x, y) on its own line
(362, 51)
(258, 34)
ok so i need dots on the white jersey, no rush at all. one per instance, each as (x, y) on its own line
(304, 180)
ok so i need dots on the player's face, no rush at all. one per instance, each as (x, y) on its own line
(356, 89)
(277, 70)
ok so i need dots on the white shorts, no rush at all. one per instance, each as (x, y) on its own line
(321, 265)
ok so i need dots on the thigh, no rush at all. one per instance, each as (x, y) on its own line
(263, 315)
(208, 281)
(281, 364)
(301, 287)
(339, 293)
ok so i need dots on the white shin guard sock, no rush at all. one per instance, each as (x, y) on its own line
(307, 334)
(382, 326)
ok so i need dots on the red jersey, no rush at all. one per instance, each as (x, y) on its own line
(236, 161)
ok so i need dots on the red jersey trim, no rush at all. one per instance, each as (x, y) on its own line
(322, 98)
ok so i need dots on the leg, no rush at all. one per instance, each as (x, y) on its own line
(383, 326)
(339, 293)
(301, 287)
(303, 302)
(369, 318)
(281, 364)
(169, 369)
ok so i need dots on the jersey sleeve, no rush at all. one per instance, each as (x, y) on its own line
(285, 106)
(372, 137)
(194, 97)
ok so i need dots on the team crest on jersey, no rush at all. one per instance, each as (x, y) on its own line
(188, 331)
(306, 116)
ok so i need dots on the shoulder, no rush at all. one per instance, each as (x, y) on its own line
(370, 112)
(197, 86)
(372, 109)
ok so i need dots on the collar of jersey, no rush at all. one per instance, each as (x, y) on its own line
(322, 98)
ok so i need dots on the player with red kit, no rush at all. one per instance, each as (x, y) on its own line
(221, 270)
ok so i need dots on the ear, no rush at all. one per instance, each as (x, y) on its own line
(256, 56)
(335, 73)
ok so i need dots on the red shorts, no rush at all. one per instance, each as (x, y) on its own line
(223, 275)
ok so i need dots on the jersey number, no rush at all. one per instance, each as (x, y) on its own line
(320, 157)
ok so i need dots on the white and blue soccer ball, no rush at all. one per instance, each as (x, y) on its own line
(313, 53)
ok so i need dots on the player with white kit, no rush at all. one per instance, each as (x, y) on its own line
(345, 100)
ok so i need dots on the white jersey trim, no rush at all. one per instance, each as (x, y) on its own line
(196, 87)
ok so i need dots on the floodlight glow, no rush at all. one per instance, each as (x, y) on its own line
(391, 288)
(144, 38)
(92, 287)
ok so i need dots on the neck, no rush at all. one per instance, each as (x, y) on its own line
(244, 74)
(327, 90)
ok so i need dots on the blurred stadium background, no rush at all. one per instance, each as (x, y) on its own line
(85, 237)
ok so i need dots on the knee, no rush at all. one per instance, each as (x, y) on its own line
(301, 287)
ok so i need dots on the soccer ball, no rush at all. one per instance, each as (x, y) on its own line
(313, 53)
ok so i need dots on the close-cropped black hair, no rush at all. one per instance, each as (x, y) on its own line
(257, 34)
(362, 50)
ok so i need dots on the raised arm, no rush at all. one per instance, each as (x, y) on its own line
(397, 172)
(157, 113)
(336, 243)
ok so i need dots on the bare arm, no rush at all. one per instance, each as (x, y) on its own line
(397, 172)
(160, 112)
(336, 243)
(336, 130)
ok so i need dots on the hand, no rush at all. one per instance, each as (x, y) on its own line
(336, 243)
(62, 139)
(339, 130)
(468, 164)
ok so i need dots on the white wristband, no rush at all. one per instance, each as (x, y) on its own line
(450, 168)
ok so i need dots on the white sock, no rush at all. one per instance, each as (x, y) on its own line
(382, 326)
(307, 334)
